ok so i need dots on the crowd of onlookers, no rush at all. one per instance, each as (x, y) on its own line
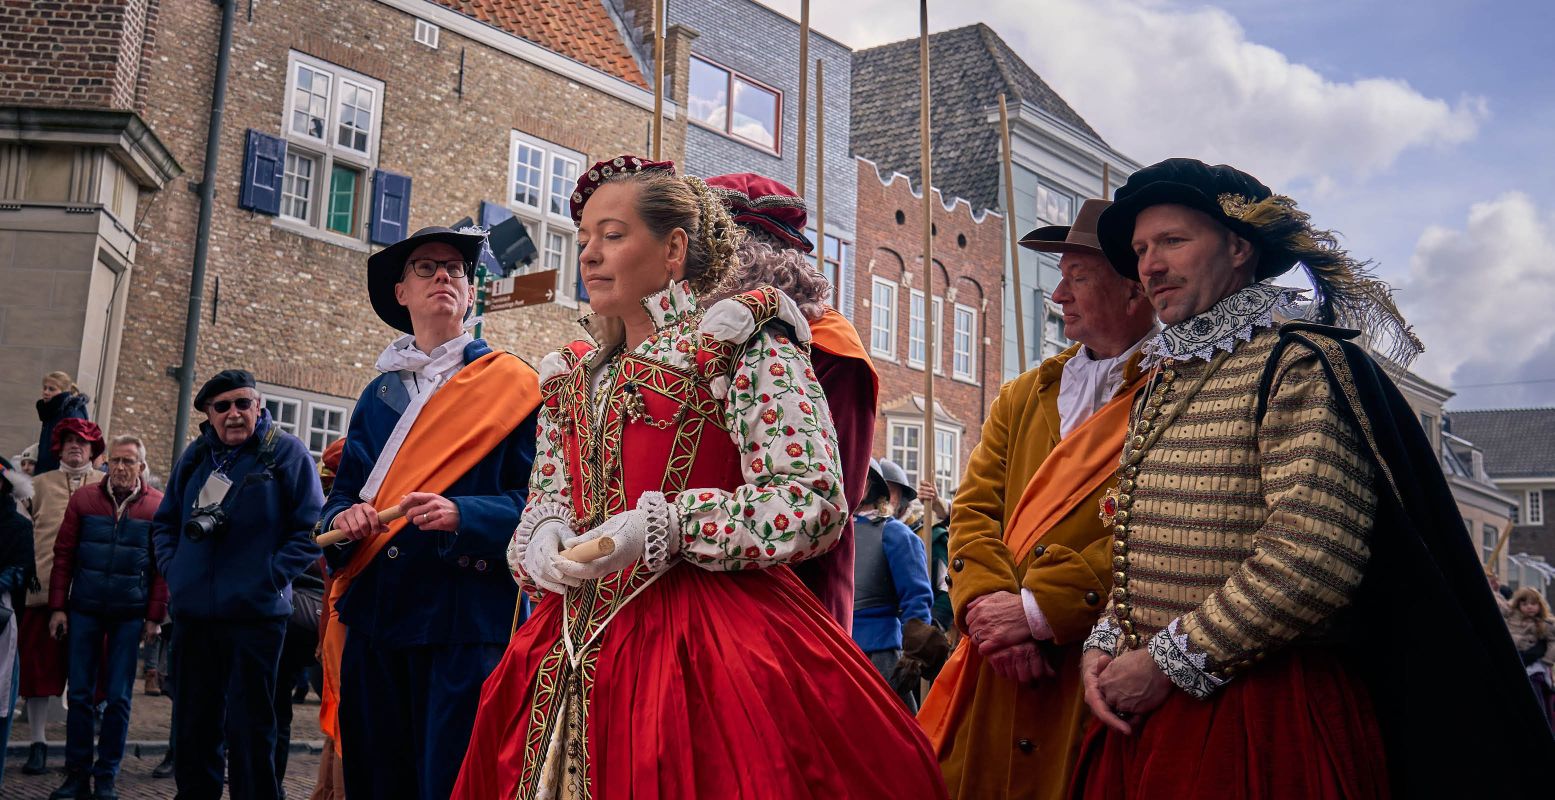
(89, 590)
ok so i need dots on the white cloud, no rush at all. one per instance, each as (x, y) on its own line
(1481, 298)
(1157, 79)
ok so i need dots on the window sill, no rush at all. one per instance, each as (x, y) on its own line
(309, 232)
(875, 354)
(967, 379)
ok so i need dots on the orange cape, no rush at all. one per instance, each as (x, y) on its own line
(834, 334)
(458, 427)
(1077, 467)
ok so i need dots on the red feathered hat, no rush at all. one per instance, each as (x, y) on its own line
(84, 428)
(755, 200)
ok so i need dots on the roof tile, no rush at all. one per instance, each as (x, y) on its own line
(1516, 442)
(581, 30)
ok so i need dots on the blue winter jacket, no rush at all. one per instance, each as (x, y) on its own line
(245, 572)
(433, 587)
(880, 627)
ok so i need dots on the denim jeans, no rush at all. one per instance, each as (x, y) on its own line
(123, 637)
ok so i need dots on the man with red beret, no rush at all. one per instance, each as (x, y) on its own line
(77, 443)
(774, 254)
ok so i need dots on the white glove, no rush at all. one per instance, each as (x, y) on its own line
(645, 530)
(732, 321)
(540, 558)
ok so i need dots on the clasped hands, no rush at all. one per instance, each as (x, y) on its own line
(996, 622)
(1119, 689)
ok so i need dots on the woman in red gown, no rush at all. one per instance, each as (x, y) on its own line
(689, 663)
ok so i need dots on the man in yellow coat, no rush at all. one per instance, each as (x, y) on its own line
(1030, 566)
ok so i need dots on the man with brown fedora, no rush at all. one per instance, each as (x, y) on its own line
(1029, 565)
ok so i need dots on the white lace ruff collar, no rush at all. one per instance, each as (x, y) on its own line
(1234, 319)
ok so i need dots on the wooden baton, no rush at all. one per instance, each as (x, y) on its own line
(385, 517)
(592, 550)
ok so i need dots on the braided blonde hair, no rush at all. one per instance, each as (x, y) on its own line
(666, 202)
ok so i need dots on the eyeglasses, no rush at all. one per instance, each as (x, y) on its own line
(427, 267)
(243, 404)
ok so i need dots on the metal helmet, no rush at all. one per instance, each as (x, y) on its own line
(893, 473)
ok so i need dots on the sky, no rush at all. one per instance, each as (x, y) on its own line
(1421, 132)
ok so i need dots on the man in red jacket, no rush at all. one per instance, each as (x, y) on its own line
(105, 586)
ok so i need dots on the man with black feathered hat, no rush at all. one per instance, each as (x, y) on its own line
(421, 608)
(1283, 536)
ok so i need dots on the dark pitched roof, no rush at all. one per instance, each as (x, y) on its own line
(969, 67)
(1516, 442)
(584, 32)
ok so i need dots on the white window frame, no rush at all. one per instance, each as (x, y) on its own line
(293, 404)
(956, 352)
(882, 322)
(1533, 501)
(947, 459)
(1487, 545)
(304, 403)
(543, 222)
(327, 409)
(426, 33)
(326, 153)
(939, 332)
(917, 344)
(906, 456)
(838, 266)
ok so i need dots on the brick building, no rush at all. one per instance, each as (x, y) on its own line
(1518, 456)
(966, 352)
(348, 124)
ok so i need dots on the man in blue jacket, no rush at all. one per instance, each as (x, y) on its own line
(891, 578)
(428, 604)
(233, 531)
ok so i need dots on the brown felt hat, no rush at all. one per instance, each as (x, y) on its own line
(1079, 237)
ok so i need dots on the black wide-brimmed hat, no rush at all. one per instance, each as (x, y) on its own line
(1214, 190)
(386, 267)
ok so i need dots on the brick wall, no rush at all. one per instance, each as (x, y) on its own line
(76, 53)
(969, 258)
(291, 308)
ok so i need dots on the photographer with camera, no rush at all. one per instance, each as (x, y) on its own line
(232, 533)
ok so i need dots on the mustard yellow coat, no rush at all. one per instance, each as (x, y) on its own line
(1022, 741)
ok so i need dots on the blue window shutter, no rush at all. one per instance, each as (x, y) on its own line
(264, 164)
(583, 292)
(391, 207)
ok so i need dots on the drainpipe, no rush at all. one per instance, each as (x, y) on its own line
(202, 237)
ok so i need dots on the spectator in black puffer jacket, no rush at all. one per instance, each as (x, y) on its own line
(61, 400)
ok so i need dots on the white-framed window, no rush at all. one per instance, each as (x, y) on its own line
(904, 447)
(317, 419)
(1053, 333)
(426, 33)
(834, 267)
(1487, 544)
(1535, 507)
(284, 412)
(541, 177)
(963, 358)
(882, 318)
(331, 125)
(733, 104)
(916, 344)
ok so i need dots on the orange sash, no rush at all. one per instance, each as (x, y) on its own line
(459, 426)
(1077, 467)
(834, 334)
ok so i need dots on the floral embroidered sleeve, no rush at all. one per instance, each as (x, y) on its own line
(790, 507)
(548, 490)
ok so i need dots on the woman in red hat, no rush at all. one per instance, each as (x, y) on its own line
(689, 662)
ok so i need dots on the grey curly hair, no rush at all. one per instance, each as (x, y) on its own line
(762, 260)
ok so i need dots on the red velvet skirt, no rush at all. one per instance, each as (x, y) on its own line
(712, 685)
(45, 662)
(1300, 726)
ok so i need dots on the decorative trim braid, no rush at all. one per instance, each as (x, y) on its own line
(663, 525)
(1170, 651)
(534, 515)
(1105, 636)
(1234, 319)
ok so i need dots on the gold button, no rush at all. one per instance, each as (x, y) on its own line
(1138, 442)
(1119, 578)
(1125, 486)
(1133, 640)
(1119, 593)
(1130, 471)
(1119, 562)
(1122, 610)
(1119, 546)
(1121, 518)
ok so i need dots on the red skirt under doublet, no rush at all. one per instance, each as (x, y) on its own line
(715, 685)
(1301, 725)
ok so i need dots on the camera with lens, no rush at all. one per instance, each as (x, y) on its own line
(207, 521)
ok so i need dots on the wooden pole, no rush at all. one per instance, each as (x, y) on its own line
(931, 337)
(820, 164)
(1106, 180)
(804, 93)
(335, 535)
(1494, 566)
(1016, 291)
(658, 79)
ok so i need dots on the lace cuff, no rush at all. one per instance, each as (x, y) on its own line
(534, 516)
(662, 521)
(1105, 636)
(1169, 648)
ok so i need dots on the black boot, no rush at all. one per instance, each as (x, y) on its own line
(164, 769)
(77, 786)
(37, 759)
(104, 790)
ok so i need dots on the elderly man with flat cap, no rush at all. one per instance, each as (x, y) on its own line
(233, 530)
(1029, 564)
(422, 607)
(1295, 611)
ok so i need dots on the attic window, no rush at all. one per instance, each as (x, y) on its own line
(901, 218)
(426, 33)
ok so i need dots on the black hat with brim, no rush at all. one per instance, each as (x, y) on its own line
(386, 267)
(1184, 182)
